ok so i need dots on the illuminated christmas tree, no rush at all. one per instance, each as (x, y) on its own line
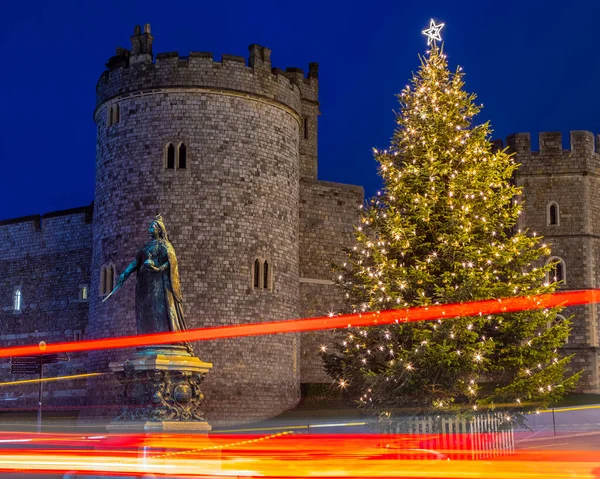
(442, 230)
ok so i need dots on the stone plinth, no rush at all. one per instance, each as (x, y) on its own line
(161, 391)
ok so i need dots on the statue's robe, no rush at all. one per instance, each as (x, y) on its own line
(158, 300)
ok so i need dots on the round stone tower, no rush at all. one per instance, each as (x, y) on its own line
(214, 147)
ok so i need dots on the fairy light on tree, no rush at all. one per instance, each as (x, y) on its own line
(442, 230)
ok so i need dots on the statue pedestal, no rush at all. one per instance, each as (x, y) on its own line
(161, 391)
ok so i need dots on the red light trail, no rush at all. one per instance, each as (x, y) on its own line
(423, 313)
(284, 456)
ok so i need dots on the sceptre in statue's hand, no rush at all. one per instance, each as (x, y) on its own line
(158, 301)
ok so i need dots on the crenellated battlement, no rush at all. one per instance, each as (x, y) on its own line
(550, 157)
(133, 72)
(581, 142)
(70, 229)
(36, 220)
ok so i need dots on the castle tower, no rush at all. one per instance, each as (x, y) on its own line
(560, 193)
(215, 148)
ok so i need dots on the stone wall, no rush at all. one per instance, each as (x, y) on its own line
(571, 180)
(48, 257)
(328, 213)
(236, 200)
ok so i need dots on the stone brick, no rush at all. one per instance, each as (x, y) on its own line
(251, 138)
(571, 179)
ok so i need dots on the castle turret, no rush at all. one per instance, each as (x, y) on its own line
(215, 147)
(560, 191)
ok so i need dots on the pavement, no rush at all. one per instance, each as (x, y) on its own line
(578, 442)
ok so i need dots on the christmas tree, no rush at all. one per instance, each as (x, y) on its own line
(443, 230)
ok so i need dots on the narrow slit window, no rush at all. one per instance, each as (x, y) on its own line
(306, 128)
(116, 114)
(256, 274)
(109, 116)
(266, 273)
(107, 280)
(553, 214)
(112, 279)
(170, 156)
(182, 156)
(83, 292)
(102, 280)
(17, 299)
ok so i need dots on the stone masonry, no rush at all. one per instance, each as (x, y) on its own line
(48, 259)
(249, 190)
(569, 179)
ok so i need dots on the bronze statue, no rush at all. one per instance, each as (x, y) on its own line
(158, 301)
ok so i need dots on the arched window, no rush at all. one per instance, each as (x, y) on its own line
(170, 156)
(113, 115)
(262, 274)
(256, 273)
(17, 299)
(266, 275)
(558, 272)
(182, 156)
(552, 214)
(107, 279)
(110, 279)
(116, 114)
(102, 281)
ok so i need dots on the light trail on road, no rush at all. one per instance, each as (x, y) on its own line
(47, 380)
(423, 313)
(284, 456)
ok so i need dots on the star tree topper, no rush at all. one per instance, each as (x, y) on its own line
(433, 32)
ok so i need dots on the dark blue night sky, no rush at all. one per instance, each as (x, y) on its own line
(534, 65)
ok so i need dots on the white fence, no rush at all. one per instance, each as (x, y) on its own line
(478, 437)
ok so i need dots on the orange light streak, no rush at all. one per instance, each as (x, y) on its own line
(47, 380)
(282, 456)
(423, 313)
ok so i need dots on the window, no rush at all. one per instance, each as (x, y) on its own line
(170, 156)
(113, 115)
(256, 271)
(77, 335)
(182, 156)
(305, 128)
(83, 292)
(107, 279)
(552, 214)
(266, 275)
(17, 299)
(262, 274)
(176, 157)
(557, 273)
(102, 281)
